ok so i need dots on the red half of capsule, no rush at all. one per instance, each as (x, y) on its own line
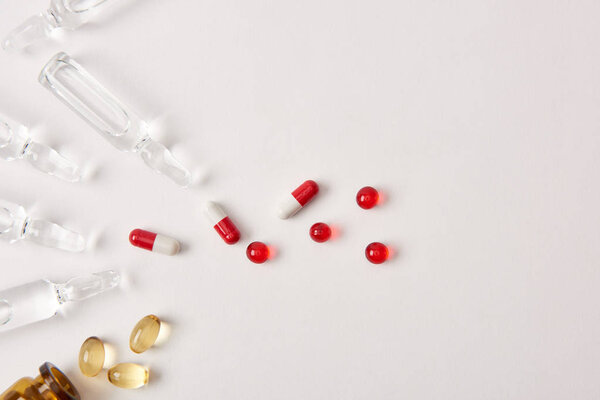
(143, 239)
(227, 230)
(305, 192)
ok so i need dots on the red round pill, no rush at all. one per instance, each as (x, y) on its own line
(377, 253)
(257, 252)
(320, 232)
(367, 197)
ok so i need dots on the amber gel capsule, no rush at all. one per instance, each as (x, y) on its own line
(91, 356)
(128, 375)
(144, 334)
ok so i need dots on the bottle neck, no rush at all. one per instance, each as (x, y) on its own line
(55, 384)
(50, 384)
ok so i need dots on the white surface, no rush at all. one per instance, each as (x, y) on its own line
(480, 121)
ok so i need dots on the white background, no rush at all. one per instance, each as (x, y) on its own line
(478, 119)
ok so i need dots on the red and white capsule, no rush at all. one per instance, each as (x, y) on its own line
(294, 202)
(154, 242)
(221, 222)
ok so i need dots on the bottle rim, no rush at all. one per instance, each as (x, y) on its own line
(58, 382)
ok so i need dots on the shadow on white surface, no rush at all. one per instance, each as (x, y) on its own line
(112, 13)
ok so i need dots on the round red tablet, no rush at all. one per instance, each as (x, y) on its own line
(377, 253)
(320, 232)
(367, 197)
(257, 252)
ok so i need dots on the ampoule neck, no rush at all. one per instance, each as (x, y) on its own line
(13, 218)
(14, 138)
(71, 14)
(143, 141)
(86, 286)
(49, 161)
(59, 15)
(53, 18)
(22, 230)
(160, 159)
(31, 30)
(25, 147)
(53, 235)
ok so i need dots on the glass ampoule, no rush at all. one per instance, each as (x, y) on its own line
(68, 14)
(50, 384)
(15, 143)
(42, 299)
(72, 84)
(16, 225)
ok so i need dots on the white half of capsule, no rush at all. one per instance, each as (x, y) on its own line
(214, 212)
(165, 245)
(288, 206)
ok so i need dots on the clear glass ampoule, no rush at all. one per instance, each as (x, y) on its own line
(15, 143)
(42, 299)
(16, 225)
(72, 84)
(67, 14)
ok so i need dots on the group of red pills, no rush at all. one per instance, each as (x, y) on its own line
(320, 232)
(375, 252)
(258, 252)
(366, 198)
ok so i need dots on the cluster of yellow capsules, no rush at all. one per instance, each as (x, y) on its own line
(93, 355)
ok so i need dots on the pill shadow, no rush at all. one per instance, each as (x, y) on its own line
(395, 253)
(154, 376)
(90, 171)
(201, 176)
(128, 281)
(165, 130)
(111, 355)
(165, 334)
(274, 252)
(95, 241)
(171, 135)
(323, 191)
(384, 197)
(183, 247)
(336, 231)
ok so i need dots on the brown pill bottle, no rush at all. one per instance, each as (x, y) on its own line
(51, 384)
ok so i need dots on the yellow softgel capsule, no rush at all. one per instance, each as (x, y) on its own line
(91, 356)
(128, 375)
(144, 334)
